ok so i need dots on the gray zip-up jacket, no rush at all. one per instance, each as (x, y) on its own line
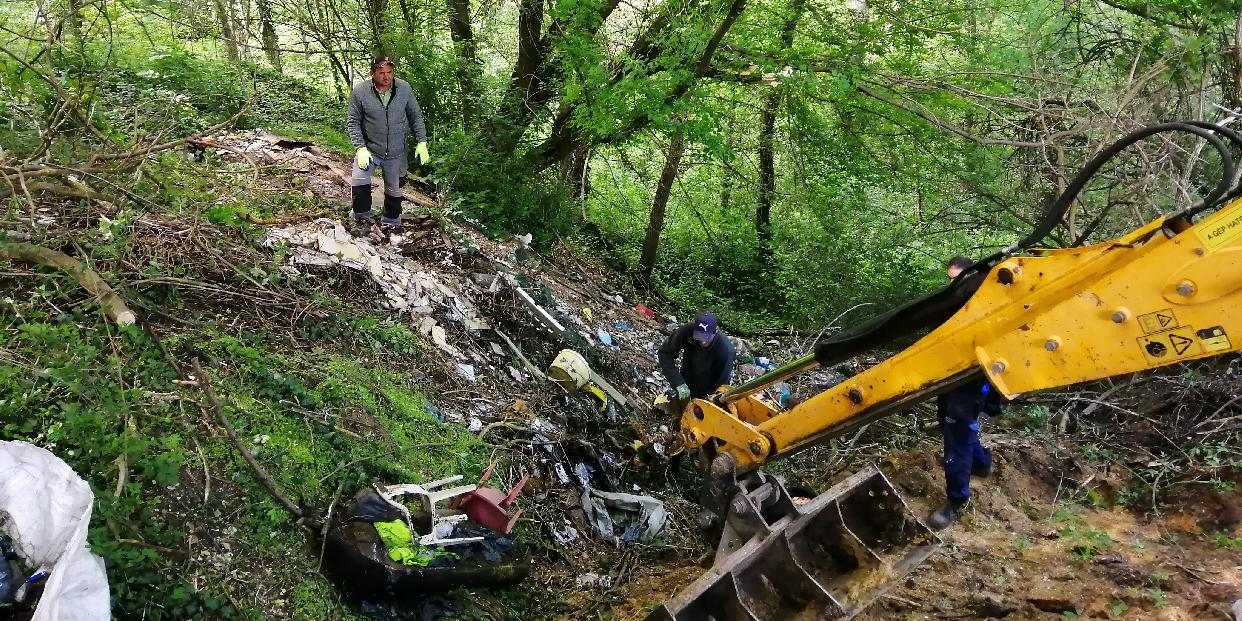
(381, 129)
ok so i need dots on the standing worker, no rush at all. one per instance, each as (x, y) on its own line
(382, 111)
(706, 358)
(959, 411)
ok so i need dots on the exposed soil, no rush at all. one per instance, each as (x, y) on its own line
(1027, 549)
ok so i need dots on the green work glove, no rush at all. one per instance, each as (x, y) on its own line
(421, 155)
(363, 158)
(683, 392)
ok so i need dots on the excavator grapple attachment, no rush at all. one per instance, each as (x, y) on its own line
(826, 559)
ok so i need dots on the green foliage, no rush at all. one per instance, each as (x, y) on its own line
(1225, 540)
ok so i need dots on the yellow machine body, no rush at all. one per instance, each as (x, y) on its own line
(1150, 298)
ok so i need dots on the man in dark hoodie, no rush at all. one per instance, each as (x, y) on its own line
(382, 113)
(706, 358)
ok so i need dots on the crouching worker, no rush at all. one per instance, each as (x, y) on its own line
(706, 356)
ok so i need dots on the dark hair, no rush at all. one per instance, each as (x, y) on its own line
(959, 262)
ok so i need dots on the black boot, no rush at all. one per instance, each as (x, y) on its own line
(392, 214)
(947, 514)
(362, 202)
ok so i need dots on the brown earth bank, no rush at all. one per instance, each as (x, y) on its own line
(1037, 544)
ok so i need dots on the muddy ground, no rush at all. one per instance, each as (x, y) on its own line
(1034, 547)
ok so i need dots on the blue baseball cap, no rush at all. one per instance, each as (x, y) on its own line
(704, 328)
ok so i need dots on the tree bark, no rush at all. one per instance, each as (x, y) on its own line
(516, 107)
(271, 44)
(767, 134)
(375, 18)
(655, 224)
(462, 34)
(225, 18)
(575, 172)
(90, 280)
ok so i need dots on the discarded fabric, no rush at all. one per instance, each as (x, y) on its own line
(623, 518)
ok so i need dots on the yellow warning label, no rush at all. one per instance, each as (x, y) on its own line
(1214, 339)
(1166, 347)
(1158, 321)
(1217, 235)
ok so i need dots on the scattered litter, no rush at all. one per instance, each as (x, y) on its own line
(594, 580)
(605, 339)
(489, 506)
(515, 374)
(643, 310)
(476, 425)
(586, 312)
(564, 533)
(466, 371)
(623, 518)
(561, 475)
(583, 472)
(622, 326)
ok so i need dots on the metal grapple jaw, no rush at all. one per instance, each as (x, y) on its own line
(826, 559)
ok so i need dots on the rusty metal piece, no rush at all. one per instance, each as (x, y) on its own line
(827, 559)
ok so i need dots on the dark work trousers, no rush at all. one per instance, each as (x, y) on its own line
(959, 421)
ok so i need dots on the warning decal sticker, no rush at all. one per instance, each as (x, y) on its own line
(1166, 347)
(1214, 339)
(1217, 235)
(1158, 321)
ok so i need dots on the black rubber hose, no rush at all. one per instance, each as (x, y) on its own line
(1233, 137)
(1053, 216)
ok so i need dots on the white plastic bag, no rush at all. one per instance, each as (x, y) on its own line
(46, 508)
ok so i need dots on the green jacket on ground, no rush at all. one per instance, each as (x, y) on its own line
(383, 129)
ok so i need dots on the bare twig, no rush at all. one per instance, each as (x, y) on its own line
(260, 473)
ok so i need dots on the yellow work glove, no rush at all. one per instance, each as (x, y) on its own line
(363, 158)
(421, 155)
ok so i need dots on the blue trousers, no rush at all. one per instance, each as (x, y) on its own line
(962, 453)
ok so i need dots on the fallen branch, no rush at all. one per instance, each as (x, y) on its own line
(90, 280)
(264, 478)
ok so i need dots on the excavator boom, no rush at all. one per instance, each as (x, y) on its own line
(1026, 318)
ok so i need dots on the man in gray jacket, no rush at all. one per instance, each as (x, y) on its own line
(382, 111)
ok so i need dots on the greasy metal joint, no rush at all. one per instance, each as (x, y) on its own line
(1004, 276)
(855, 395)
(698, 412)
(1121, 315)
(1186, 288)
(756, 448)
(998, 366)
(1052, 344)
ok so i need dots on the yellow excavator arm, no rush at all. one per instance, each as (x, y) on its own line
(1026, 318)
(1168, 292)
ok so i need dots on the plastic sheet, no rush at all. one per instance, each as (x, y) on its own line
(46, 508)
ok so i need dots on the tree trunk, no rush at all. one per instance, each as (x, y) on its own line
(225, 19)
(767, 166)
(767, 134)
(1237, 62)
(575, 173)
(271, 44)
(407, 15)
(517, 105)
(655, 225)
(462, 33)
(375, 17)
